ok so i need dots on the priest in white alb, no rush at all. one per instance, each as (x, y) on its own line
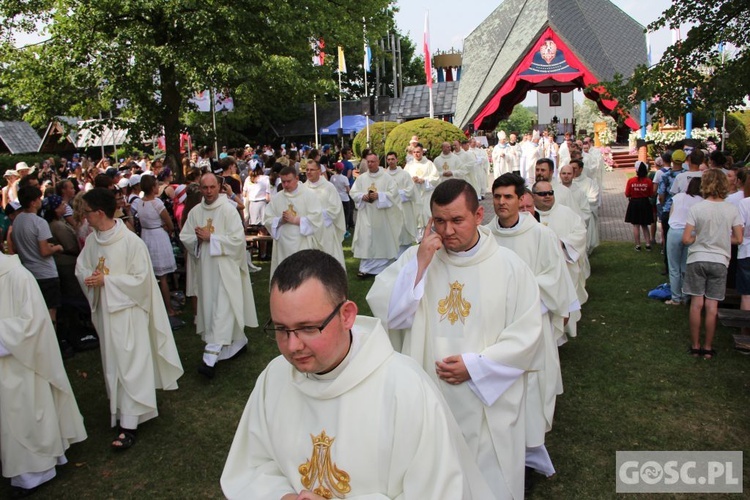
(331, 234)
(590, 190)
(501, 153)
(137, 347)
(339, 414)
(571, 234)
(214, 235)
(478, 341)
(482, 165)
(294, 218)
(39, 417)
(468, 163)
(448, 165)
(425, 176)
(377, 234)
(407, 190)
(538, 248)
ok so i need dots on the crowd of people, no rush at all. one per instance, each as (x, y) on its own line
(481, 309)
(700, 200)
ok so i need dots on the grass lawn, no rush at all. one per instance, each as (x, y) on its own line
(629, 385)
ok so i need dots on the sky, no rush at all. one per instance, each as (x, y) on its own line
(450, 22)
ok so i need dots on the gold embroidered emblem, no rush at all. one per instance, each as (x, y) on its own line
(454, 307)
(321, 469)
(210, 225)
(372, 189)
(291, 210)
(101, 267)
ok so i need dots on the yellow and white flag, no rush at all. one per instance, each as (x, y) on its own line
(342, 61)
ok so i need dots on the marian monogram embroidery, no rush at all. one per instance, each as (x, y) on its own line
(372, 189)
(101, 267)
(210, 225)
(321, 470)
(454, 307)
(291, 210)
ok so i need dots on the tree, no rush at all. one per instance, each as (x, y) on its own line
(587, 113)
(691, 74)
(519, 121)
(431, 132)
(144, 59)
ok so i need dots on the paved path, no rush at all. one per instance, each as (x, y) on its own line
(612, 226)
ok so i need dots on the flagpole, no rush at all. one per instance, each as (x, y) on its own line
(341, 111)
(366, 68)
(428, 60)
(724, 111)
(213, 119)
(315, 112)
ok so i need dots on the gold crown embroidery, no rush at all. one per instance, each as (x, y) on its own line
(321, 469)
(454, 307)
(210, 225)
(101, 267)
(292, 210)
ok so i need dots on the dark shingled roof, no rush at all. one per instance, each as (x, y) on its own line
(415, 103)
(19, 137)
(603, 37)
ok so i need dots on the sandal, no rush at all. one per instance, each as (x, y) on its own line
(709, 354)
(671, 302)
(637, 248)
(696, 353)
(124, 440)
(648, 247)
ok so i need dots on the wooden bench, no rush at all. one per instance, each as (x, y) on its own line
(253, 242)
(735, 318)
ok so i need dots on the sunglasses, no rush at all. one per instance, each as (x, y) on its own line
(545, 193)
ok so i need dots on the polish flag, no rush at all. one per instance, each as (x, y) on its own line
(427, 58)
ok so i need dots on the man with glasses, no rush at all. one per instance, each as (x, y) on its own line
(571, 234)
(213, 235)
(340, 414)
(138, 349)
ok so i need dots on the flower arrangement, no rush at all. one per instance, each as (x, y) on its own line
(608, 160)
(606, 137)
(667, 138)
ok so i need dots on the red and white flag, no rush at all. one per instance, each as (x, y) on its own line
(319, 56)
(427, 57)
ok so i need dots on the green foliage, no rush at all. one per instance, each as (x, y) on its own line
(691, 75)
(431, 132)
(31, 159)
(519, 122)
(587, 113)
(144, 59)
(738, 142)
(378, 136)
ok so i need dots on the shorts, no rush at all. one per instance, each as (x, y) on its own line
(742, 282)
(50, 288)
(708, 279)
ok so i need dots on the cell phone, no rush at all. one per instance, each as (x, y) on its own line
(221, 181)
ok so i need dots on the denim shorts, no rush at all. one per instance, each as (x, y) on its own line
(708, 279)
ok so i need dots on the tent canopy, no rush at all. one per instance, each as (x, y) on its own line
(351, 124)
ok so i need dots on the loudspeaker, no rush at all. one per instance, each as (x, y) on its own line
(382, 104)
(340, 133)
(555, 99)
(368, 106)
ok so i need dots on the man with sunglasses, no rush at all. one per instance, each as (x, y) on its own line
(571, 233)
(339, 413)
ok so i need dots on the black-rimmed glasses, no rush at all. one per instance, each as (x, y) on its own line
(302, 333)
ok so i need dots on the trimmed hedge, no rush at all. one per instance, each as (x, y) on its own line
(431, 132)
(377, 144)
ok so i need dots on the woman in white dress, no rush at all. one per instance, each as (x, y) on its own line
(156, 225)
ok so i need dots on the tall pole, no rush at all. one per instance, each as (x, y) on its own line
(341, 112)
(315, 112)
(395, 73)
(101, 136)
(114, 138)
(643, 119)
(400, 73)
(366, 67)
(213, 120)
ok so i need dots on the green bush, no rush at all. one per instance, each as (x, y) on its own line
(378, 135)
(737, 142)
(431, 132)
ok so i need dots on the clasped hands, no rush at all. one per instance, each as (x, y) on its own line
(289, 217)
(95, 280)
(203, 233)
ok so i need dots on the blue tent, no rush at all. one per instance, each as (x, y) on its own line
(351, 123)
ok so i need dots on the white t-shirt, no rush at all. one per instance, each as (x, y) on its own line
(713, 222)
(681, 204)
(341, 183)
(743, 252)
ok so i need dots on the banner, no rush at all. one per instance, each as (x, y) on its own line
(427, 58)
(342, 61)
(319, 56)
